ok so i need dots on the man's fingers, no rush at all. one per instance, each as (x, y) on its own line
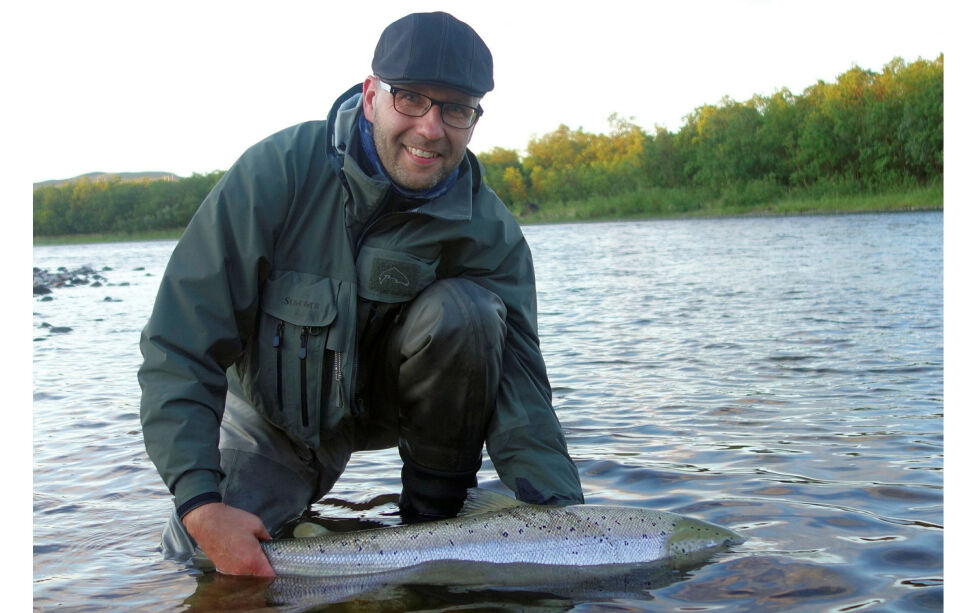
(230, 538)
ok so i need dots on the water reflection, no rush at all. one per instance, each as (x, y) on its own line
(437, 586)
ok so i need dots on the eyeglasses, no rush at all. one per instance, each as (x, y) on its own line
(415, 104)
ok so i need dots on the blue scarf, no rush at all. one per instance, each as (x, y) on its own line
(371, 153)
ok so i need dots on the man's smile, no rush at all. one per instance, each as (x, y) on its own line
(422, 153)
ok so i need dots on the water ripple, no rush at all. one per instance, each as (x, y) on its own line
(782, 376)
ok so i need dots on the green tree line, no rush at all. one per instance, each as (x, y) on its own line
(116, 206)
(867, 132)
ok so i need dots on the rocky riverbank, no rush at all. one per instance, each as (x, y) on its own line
(46, 281)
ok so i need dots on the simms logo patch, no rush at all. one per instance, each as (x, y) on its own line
(397, 278)
(393, 275)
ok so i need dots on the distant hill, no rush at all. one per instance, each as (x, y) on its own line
(107, 176)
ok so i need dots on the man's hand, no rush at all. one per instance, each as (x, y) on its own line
(230, 538)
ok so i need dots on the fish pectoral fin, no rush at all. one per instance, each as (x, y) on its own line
(485, 501)
(308, 529)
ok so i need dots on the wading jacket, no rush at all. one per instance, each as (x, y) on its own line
(261, 294)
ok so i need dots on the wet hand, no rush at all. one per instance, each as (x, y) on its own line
(230, 538)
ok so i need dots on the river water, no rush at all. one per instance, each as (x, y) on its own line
(780, 376)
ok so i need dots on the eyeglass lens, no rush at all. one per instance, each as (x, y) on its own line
(417, 105)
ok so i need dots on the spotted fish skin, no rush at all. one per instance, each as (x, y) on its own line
(498, 530)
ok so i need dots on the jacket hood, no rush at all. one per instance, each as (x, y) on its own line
(340, 125)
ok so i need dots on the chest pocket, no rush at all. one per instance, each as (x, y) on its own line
(392, 276)
(300, 351)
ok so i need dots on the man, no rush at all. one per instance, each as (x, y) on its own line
(350, 285)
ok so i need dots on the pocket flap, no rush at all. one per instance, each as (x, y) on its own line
(300, 298)
(392, 276)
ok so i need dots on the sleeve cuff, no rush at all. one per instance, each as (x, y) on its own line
(536, 466)
(194, 489)
(197, 501)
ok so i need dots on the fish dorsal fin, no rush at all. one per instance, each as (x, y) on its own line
(485, 501)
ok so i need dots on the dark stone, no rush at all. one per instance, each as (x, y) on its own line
(45, 281)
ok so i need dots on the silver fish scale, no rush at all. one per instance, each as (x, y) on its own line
(578, 535)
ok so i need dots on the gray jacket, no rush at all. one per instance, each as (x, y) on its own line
(270, 269)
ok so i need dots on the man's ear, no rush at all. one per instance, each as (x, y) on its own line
(369, 91)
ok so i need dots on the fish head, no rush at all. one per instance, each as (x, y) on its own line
(694, 541)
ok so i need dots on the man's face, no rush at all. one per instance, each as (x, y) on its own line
(417, 152)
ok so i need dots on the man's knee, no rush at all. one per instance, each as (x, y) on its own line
(458, 316)
(450, 354)
(270, 474)
(275, 492)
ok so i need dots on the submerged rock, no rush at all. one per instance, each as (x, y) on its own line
(55, 329)
(45, 281)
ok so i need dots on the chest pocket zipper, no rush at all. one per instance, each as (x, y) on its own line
(303, 341)
(338, 377)
(298, 367)
(302, 365)
(304, 405)
(277, 344)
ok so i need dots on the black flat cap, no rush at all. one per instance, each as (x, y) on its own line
(434, 48)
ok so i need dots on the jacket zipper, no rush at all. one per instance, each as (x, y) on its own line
(304, 337)
(277, 343)
(380, 213)
(338, 376)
